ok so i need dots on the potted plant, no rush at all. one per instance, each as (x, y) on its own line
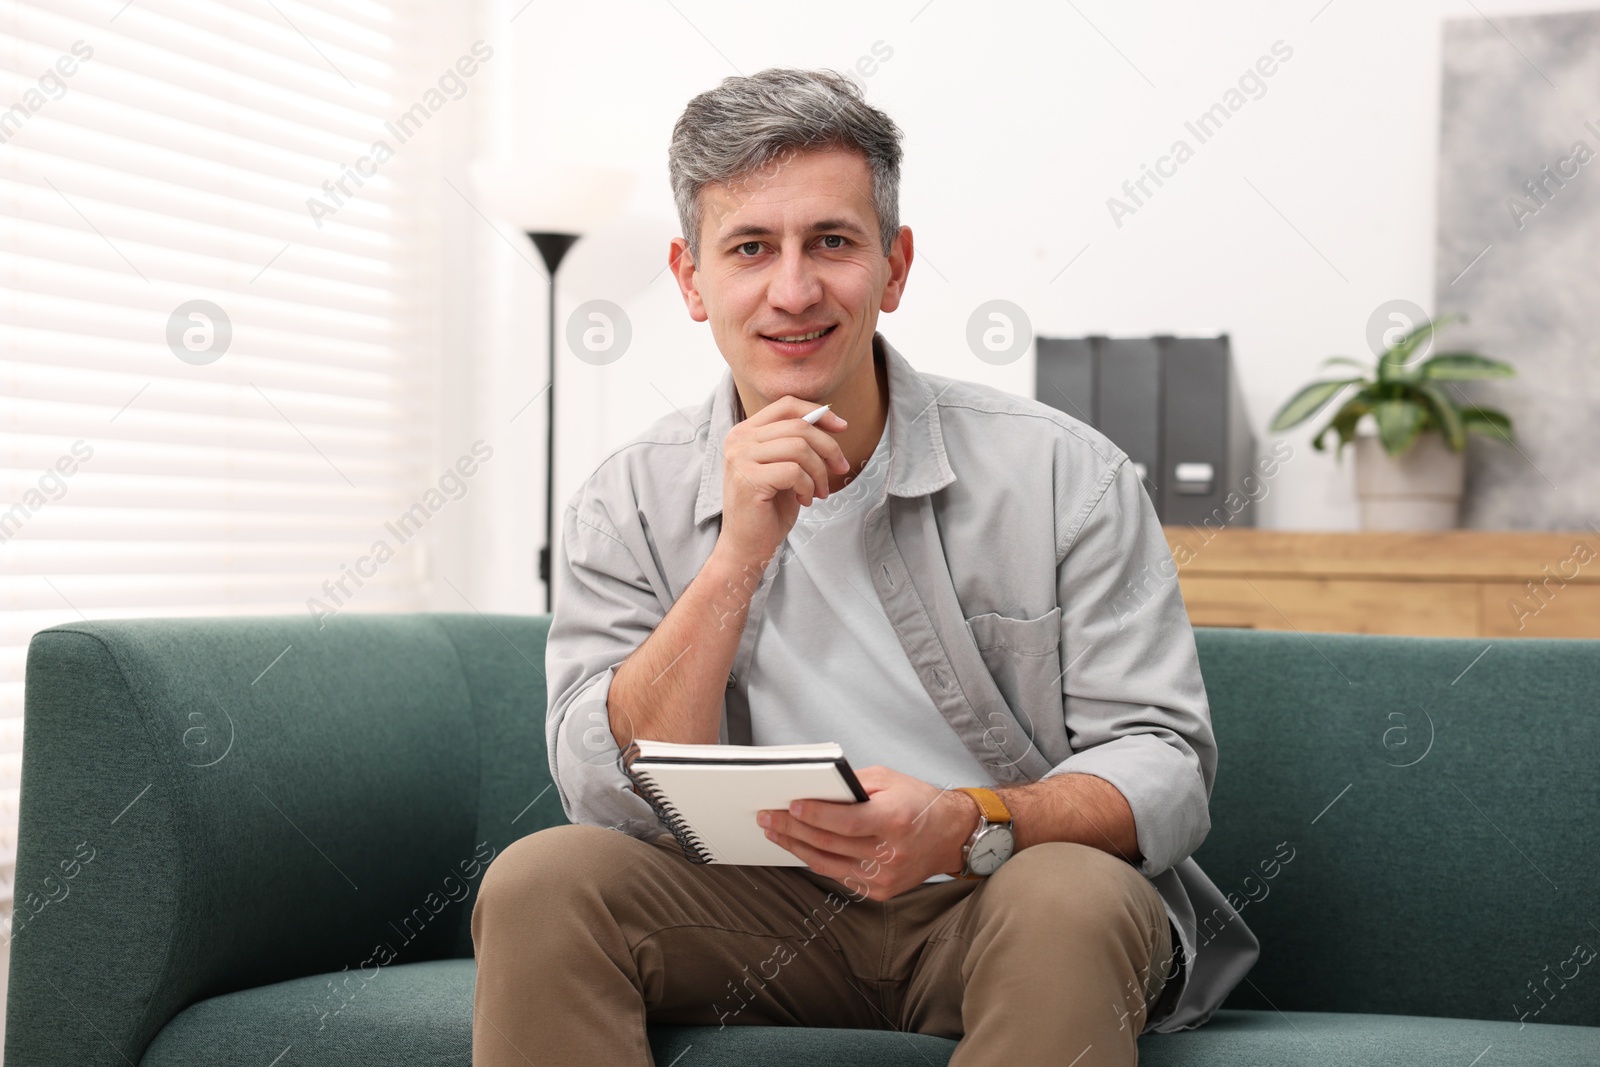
(1409, 475)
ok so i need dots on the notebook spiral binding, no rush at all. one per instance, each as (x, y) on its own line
(694, 849)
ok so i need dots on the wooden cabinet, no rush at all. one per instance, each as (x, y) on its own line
(1454, 583)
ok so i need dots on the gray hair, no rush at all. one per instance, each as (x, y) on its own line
(754, 124)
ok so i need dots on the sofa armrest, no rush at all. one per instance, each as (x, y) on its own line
(216, 804)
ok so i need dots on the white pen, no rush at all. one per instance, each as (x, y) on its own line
(817, 414)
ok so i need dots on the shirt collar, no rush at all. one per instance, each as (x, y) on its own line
(917, 461)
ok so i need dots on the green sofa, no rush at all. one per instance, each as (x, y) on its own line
(251, 841)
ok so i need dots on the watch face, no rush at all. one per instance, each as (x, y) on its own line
(992, 849)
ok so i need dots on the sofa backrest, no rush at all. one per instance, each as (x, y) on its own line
(1439, 802)
(216, 804)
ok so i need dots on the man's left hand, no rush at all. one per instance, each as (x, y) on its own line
(906, 831)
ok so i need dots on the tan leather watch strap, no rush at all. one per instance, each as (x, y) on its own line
(994, 809)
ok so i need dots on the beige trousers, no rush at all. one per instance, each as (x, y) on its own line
(584, 934)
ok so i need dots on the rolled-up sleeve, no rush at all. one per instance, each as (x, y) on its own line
(603, 609)
(1135, 705)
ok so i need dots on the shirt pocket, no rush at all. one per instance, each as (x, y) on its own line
(1024, 658)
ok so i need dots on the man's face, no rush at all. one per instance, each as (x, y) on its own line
(789, 251)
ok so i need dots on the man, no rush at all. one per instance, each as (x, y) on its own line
(961, 586)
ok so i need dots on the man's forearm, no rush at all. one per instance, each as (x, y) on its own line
(1074, 807)
(1064, 807)
(672, 686)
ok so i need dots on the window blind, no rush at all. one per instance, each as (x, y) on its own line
(214, 393)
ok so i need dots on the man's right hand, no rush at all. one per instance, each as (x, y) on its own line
(773, 462)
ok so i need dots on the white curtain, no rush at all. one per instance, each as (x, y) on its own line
(216, 326)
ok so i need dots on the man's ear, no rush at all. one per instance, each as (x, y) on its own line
(900, 256)
(683, 269)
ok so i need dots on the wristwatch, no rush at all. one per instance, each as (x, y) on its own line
(992, 842)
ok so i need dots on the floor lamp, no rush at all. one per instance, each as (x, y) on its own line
(554, 204)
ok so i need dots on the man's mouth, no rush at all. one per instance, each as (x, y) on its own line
(797, 337)
(799, 342)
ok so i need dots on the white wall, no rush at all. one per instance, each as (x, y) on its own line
(1311, 207)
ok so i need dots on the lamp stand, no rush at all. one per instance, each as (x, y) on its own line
(552, 248)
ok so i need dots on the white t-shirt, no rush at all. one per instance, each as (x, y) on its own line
(827, 665)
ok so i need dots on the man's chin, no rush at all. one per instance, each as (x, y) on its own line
(769, 378)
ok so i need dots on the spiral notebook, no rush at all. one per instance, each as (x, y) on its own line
(708, 795)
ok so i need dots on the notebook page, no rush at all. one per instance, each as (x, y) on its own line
(719, 803)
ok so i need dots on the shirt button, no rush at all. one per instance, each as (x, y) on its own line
(730, 679)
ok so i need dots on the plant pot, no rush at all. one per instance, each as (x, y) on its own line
(1420, 489)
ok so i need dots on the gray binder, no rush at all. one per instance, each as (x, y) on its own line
(1173, 404)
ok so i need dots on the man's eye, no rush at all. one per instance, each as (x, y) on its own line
(750, 248)
(833, 237)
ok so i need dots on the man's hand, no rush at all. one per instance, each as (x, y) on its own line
(906, 831)
(774, 463)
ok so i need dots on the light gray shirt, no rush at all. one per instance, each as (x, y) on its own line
(1030, 589)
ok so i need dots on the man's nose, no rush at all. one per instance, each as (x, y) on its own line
(795, 285)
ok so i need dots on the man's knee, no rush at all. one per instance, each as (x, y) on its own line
(1058, 892)
(542, 869)
(1085, 866)
(1075, 884)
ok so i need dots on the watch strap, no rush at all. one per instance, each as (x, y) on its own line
(989, 803)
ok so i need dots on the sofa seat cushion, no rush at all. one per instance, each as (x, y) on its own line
(1273, 1039)
(408, 1013)
(421, 1013)
(1229, 1039)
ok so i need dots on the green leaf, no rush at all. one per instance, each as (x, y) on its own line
(1445, 415)
(1398, 424)
(1464, 366)
(1307, 402)
(1391, 365)
(1487, 421)
(1347, 361)
(1343, 424)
